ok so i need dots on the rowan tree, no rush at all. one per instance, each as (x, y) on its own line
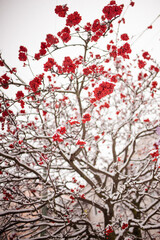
(79, 148)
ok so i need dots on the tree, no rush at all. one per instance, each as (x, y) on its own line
(81, 136)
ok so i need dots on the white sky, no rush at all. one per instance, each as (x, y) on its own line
(26, 22)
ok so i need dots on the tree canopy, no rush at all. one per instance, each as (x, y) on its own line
(79, 149)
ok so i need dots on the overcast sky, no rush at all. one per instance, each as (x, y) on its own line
(26, 22)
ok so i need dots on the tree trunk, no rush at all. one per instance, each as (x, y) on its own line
(136, 230)
(44, 197)
(108, 221)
